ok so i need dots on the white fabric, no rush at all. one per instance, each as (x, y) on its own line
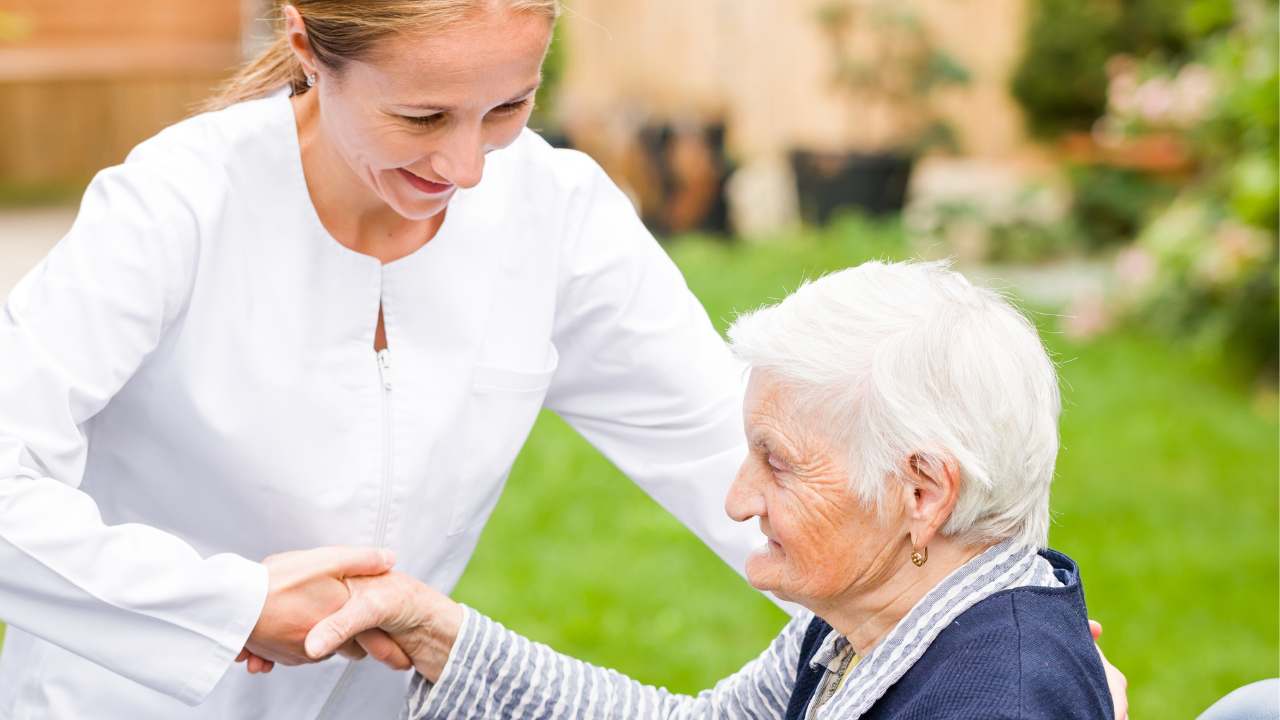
(188, 384)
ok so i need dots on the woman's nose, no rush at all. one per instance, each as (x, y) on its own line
(743, 501)
(461, 162)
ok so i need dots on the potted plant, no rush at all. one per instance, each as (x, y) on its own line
(886, 66)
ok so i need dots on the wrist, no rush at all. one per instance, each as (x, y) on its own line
(431, 641)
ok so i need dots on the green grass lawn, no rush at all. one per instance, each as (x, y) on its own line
(1166, 494)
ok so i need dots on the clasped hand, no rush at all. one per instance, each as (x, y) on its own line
(348, 601)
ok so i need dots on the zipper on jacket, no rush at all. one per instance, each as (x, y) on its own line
(384, 507)
(384, 368)
(384, 500)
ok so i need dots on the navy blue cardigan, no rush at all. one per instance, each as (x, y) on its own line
(1023, 654)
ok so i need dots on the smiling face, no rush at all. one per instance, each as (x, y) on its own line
(824, 543)
(414, 120)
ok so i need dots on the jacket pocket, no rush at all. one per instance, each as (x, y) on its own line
(500, 410)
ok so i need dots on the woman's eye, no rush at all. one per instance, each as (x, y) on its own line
(511, 108)
(427, 121)
(424, 120)
(776, 463)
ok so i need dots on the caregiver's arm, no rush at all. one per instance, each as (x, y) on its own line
(471, 668)
(643, 375)
(136, 600)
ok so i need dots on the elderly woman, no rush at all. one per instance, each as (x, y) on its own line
(902, 426)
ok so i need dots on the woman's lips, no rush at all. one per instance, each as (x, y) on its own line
(425, 186)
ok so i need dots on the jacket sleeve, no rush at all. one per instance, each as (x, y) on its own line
(137, 600)
(643, 375)
(493, 672)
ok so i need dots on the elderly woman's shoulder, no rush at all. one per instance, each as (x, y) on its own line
(1020, 653)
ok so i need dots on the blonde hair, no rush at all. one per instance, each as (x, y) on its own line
(343, 30)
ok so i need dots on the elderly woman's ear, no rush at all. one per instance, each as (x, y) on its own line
(932, 487)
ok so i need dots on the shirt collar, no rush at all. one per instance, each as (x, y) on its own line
(998, 568)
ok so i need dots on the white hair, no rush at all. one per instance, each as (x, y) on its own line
(908, 360)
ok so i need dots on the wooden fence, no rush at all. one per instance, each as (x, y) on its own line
(83, 81)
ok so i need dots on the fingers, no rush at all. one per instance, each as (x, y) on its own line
(352, 651)
(258, 665)
(350, 620)
(354, 562)
(1118, 685)
(1095, 629)
(254, 663)
(382, 648)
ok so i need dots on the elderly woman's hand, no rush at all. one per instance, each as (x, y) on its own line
(423, 622)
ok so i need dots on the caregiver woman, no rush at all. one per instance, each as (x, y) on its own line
(302, 321)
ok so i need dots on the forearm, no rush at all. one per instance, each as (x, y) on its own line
(99, 591)
(493, 672)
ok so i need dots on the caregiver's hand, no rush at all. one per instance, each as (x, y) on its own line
(304, 587)
(1116, 681)
(421, 621)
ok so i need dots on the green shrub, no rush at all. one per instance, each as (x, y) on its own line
(1025, 224)
(1208, 264)
(544, 110)
(1110, 205)
(1061, 82)
(27, 195)
(1199, 274)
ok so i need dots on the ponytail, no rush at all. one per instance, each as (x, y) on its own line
(269, 71)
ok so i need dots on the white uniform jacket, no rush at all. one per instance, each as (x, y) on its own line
(188, 384)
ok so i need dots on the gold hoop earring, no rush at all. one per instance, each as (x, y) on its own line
(919, 558)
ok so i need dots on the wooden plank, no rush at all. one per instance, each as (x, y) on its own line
(51, 65)
(73, 23)
(64, 131)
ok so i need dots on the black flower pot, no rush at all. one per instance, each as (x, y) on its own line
(874, 183)
(688, 203)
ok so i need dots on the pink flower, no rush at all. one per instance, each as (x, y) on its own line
(1086, 317)
(1233, 248)
(1194, 93)
(1241, 242)
(1155, 99)
(1135, 267)
(1122, 85)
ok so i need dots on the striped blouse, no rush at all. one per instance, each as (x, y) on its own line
(493, 672)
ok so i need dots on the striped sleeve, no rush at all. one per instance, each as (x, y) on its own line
(493, 672)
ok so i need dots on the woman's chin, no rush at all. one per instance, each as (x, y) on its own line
(762, 572)
(419, 208)
(408, 202)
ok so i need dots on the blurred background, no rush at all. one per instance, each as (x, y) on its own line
(1112, 164)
